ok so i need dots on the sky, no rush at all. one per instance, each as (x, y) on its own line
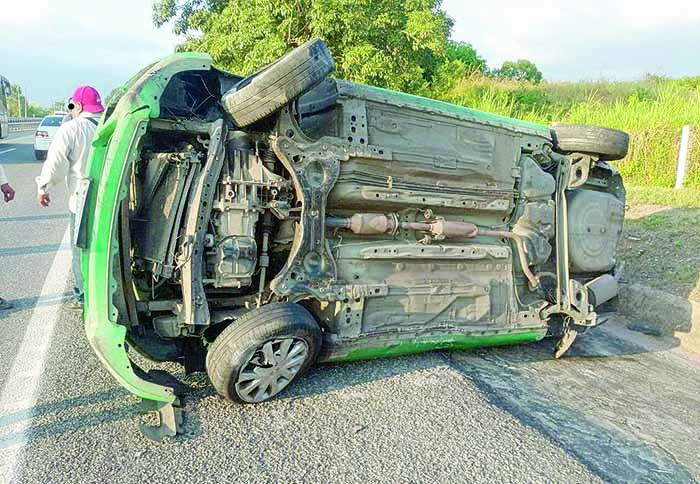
(584, 40)
(51, 46)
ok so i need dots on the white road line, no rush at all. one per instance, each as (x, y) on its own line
(20, 392)
(12, 140)
(7, 151)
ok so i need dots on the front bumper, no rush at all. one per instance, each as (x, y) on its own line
(42, 144)
(113, 151)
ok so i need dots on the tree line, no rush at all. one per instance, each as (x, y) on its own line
(18, 106)
(404, 45)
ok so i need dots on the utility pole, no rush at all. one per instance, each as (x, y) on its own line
(682, 157)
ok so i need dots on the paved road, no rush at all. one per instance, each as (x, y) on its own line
(621, 407)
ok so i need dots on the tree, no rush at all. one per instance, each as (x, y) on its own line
(15, 106)
(187, 14)
(18, 105)
(460, 62)
(397, 44)
(520, 70)
(35, 110)
(465, 53)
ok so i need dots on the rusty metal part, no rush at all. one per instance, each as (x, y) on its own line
(565, 342)
(379, 223)
(532, 278)
(442, 228)
(366, 223)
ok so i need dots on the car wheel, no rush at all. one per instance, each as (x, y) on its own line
(39, 155)
(262, 352)
(274, 86)
(609, 144)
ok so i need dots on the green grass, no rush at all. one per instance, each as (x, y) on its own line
(686, 275)
(685, 197)
(652, 111)
(658, 246)
(652, 222)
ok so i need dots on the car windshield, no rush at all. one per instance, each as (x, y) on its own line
(51, 121)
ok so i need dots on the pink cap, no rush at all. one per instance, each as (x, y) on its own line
(89, 98)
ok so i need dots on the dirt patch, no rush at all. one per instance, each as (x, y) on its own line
(660, 248)
(637, 212)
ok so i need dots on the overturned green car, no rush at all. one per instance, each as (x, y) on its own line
(249, 227)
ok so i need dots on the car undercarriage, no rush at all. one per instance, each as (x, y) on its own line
(248, 228)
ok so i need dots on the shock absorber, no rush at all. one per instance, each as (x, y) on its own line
(267, 156)
(264, 260)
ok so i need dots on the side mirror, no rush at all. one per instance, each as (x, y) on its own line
(6, 87)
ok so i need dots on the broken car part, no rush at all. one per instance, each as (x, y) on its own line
(248, 227)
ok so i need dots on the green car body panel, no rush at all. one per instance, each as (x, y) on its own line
(114, 147)
(402, 224)
(366, 352)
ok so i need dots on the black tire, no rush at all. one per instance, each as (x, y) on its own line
(274, 86)
(235, 347)
(40, 155)
(609, 144)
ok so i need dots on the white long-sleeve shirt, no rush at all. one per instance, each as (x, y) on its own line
(67, 156)
(3, 178)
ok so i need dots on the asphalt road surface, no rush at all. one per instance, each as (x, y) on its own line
(620, 407)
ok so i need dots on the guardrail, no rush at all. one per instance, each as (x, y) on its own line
(23, 124)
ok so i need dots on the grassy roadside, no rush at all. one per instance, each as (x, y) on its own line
(660, 240)
(668, 197)
(652, 111)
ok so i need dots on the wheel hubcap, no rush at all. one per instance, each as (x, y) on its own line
(271, 368)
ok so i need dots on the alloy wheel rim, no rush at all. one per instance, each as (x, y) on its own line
(271, 368)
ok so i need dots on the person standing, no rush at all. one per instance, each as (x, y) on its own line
(68, 155)
(8, 194)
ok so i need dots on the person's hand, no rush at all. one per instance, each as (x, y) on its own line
(7, 192)
(43, 199)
